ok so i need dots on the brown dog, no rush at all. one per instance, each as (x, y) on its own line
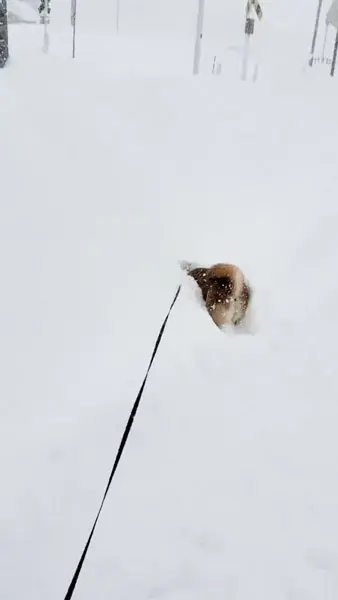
(225, 292)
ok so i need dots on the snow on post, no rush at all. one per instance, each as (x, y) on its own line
(72, 12)
(45, 15)
(252, 7)
(332, 19)
(199, 36)
(3, 33)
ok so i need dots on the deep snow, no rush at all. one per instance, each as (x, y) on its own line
(113, 168)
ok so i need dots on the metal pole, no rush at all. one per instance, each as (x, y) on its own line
(334, 58)
(255, 74)
(199, 36)
(315, 32)
(249, 29)
(245, 57)
(73, 20)
(213, 65)
(324, 43)
(45, 33)
(117, 15)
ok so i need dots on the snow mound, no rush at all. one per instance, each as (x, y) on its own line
(21, 12)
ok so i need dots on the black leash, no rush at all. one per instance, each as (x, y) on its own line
(71, 588)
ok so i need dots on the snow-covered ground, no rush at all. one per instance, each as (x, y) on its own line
(114, 167)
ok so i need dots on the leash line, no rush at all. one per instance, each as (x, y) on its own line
(123, 442)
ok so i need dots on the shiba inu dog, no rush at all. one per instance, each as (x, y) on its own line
(225, 292)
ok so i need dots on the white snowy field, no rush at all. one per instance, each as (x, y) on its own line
(113, 168)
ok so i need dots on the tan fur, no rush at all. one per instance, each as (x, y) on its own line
(224, 291)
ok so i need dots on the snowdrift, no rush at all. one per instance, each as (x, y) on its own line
(21, 12)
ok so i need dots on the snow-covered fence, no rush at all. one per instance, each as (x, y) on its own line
(331, 20)
(3, 33)
(253, 9)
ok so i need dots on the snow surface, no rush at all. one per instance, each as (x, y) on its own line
(113, 168)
